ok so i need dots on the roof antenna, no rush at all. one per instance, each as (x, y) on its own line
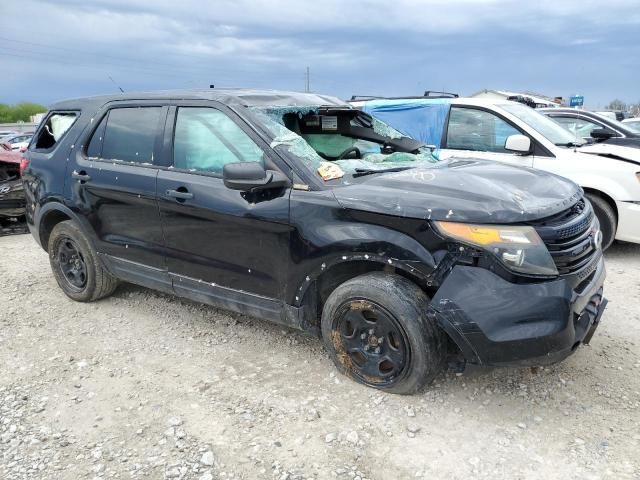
(114, 82)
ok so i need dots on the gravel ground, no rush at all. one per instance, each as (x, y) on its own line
(145, 385)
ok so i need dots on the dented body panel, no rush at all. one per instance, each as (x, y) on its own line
(277, 254)
(464, 191)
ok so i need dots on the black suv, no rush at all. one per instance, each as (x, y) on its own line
(298, 209)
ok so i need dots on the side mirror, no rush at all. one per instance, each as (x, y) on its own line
(252, 176)
(518, 143)
(603, 133)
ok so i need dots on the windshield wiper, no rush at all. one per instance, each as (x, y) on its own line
(571, 144)
(361, 172)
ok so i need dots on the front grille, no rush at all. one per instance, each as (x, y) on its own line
(569, 237)
(12, 203)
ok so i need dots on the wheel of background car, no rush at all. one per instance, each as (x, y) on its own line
(377, 332)
(344, 154)
(606, 217)
(75, 265)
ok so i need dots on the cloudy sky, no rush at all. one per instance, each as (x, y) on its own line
(65, 48)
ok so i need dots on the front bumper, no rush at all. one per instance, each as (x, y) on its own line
(628, 221)
(495, 322)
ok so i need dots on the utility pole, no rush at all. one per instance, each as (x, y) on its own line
(307, 81)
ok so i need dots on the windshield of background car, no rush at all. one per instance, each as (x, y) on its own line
(634, 125)
(542, 124)
(623, 127)
(314, 136)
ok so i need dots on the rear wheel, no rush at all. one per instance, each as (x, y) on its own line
(606, 217)
(75, 266)
(376, 331)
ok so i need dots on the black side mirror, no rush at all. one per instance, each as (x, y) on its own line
(252, 176)
(603, 133)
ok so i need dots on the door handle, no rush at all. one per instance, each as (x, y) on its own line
(180, 194)
(82, 176)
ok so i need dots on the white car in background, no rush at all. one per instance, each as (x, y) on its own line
(510, 132)
(633, 123)
(16, 141)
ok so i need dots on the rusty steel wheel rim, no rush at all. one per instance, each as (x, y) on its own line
(370, 343)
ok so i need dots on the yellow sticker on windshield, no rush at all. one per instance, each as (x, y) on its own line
(330, 171)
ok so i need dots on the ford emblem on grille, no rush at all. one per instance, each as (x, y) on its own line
(596, 239)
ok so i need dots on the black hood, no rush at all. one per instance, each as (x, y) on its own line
(465, 191)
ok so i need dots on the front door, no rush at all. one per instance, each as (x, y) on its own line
(476, 133)
(223, 246)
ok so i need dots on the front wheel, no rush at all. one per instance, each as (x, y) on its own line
(377, 332)
(606, 217)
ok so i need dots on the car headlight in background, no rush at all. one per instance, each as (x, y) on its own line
(519, 248)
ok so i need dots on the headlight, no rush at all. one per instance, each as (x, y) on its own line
(518, 248)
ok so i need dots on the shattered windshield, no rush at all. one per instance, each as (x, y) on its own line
(341, 143)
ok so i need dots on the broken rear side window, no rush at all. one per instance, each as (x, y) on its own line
(57, 124)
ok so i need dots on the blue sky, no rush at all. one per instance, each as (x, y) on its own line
(67, 48)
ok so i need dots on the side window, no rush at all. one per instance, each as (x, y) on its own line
(206, 139)
(57, 124)
(578, 126)
(131, 133)
(471, 129)
(94, 149)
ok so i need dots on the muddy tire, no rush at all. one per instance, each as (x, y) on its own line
(377, 332)
(75, 265)
(606, 217)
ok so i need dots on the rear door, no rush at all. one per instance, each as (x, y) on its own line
(477, 133)
(222, 244)
(112, 183)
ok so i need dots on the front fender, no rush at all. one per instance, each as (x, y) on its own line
(358, 242)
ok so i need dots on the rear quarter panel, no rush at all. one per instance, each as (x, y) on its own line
(45, 176)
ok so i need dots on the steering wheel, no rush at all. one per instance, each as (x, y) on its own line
(344, 154)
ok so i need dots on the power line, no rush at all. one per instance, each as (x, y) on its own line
(176, 71)
(97, 61)
(93, 54)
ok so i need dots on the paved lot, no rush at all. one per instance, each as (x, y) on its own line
(144, 385)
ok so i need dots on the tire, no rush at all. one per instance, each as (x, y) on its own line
(377, 332)
(75, 265)
(606, 217)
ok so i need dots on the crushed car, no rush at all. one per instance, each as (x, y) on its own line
(300, 210)
(12, 201)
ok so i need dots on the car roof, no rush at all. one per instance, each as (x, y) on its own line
(246, 97)
(436, 100)
(567, 110)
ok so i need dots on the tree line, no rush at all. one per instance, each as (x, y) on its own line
(20, 112)
(618, 104)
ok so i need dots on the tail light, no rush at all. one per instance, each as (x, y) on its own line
(24, 163)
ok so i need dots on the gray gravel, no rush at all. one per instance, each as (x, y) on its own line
(145, 385)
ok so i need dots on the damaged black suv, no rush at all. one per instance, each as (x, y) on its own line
(298, 209)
